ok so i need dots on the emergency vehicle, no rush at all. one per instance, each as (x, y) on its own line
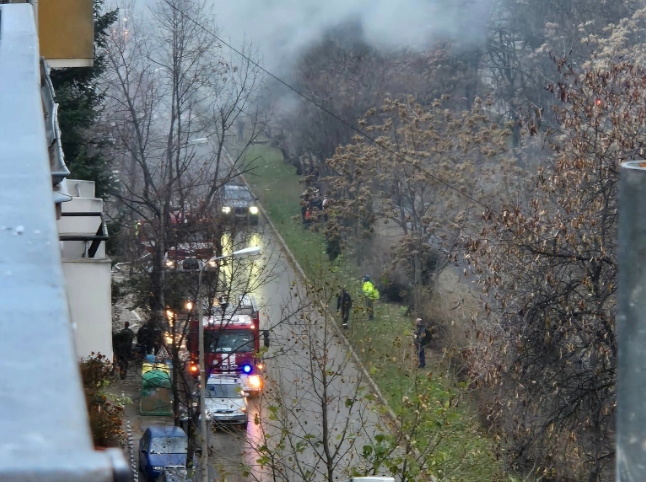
(190, 257)
(232, 343)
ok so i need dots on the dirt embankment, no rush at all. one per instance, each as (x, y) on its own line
(454, 301)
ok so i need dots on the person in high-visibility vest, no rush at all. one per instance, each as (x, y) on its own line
(137, 226)
(371, 294)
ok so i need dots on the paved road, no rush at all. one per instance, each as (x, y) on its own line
(309, 377)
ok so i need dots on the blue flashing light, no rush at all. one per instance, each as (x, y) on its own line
(246, 368)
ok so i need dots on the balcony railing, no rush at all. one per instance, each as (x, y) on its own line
(44, 422)
(94, 240)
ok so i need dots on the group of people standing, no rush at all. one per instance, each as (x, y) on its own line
(371, 294)
(313, 206)
(149, 341)
(344, 300)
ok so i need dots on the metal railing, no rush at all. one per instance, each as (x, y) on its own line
(101, 233)
(44, 421)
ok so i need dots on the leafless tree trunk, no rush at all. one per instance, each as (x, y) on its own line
(164, 75)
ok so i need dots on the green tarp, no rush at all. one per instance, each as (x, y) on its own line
(156, 394)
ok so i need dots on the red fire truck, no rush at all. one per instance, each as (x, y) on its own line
(190, 256)
(232, 343)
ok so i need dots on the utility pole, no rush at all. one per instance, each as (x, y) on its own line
(243, 253)
(631, 324)
(202, 354)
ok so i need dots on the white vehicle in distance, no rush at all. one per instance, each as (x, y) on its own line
(226, 401)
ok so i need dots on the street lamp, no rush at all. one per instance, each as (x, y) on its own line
(246, 252)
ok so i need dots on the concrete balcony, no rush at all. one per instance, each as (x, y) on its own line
(46, 434)
(83, 233)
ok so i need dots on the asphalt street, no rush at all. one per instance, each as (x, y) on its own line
(314, 401)
(313, 416)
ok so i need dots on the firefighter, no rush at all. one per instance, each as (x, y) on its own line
(371, 294)
(305, 206)
(344, 304)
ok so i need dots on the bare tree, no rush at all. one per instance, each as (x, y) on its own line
(323, 421)
(415, 176)
(553, 340)
(162, 77)
(172, 98)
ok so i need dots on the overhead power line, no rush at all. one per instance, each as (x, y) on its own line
(343, 121)
(327, 111)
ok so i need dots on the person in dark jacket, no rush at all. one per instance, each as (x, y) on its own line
(122, 346)
(157, 338)
(422, 338)
(344, 304)
(145, 339)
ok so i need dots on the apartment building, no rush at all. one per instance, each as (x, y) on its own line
(46, 430)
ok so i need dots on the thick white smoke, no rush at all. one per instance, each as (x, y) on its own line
(282, 29)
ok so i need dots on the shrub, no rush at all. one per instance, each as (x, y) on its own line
(105, 416)
(394, 285)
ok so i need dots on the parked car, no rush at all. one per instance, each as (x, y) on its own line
(161, 447)
(226, 402)
(238, 204)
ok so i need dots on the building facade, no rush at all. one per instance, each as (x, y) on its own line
(87, 269)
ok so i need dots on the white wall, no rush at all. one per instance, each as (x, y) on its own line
(89, 295)
(88, 280)
(80, 225)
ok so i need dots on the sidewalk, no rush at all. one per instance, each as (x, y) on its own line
(134, 424)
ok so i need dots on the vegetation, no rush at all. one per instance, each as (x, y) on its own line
(559, 252)
(80, 103)
(532, 224)
(105, 412)
(515, 194)
(423, 402)
(413, 179)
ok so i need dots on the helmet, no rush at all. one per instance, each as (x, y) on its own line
(366, 277)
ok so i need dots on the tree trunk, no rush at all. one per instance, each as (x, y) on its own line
(417, 281)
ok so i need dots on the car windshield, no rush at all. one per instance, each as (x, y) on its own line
(168, 445)
(229, 341)
(234, 194)
(223, 390)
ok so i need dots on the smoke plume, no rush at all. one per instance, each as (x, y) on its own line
(282, 29)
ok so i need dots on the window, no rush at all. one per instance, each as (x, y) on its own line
(237, 194)
(229, 341)
(223, 390)
(168, 445)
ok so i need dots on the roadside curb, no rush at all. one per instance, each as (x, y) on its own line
(299, 271)
(131, 449)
